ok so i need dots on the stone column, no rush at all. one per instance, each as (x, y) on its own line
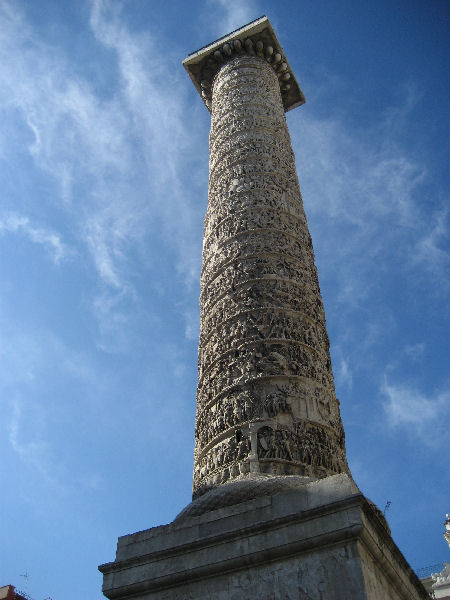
(265, 400)
(268, 433)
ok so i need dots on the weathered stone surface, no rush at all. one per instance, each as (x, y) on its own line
(265, 399)
(321, 541)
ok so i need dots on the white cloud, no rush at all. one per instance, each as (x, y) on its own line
(121, 161)
(431, 250)
(13, 223)
(34, 451)
(344, 375)
(192, 320)
(415, 351)
(230, 15)
(37, 370)
(71, 128)
(357, 185)
(364, 192)
(424, 416)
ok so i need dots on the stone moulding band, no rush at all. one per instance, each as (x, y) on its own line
(219, 244)
(265, 378)
(251, 48)
(259, 422)
(270, 278)
(297, 219)
(254, 255)
(249, 344)
(304, 515)
(262, 310)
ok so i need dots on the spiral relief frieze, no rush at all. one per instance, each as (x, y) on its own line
(265, 398)
(255, 217)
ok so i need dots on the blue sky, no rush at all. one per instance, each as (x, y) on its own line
(103, 175)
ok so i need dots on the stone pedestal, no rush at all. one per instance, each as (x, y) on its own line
(320, 541)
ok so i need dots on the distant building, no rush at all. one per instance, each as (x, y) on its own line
(441, 586)
(8, 592)
(438, 584)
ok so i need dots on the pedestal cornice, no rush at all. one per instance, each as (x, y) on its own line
(290, 542)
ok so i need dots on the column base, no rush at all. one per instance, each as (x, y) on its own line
(321, 541)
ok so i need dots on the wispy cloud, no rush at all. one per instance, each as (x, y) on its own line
(415, 351)
(192, 320)
(343, 373)
(13, 223)
(33, 451)
(71, 128)
(423, 416)
(358, 186)
(157, 121)
(231, 14)
(37, 370)
(121, 161)
(431, 250)
(363, 193)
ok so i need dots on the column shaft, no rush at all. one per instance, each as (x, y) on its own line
(265, 399)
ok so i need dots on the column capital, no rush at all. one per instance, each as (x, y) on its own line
(255, 39)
